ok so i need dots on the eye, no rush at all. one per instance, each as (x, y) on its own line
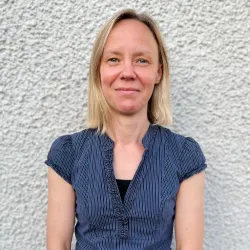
(113, 60)
(142, 61)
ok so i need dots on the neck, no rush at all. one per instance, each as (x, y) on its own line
(126, 130)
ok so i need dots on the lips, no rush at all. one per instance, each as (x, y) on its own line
(127, 89)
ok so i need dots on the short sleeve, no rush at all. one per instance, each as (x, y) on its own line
(192, 159)
(61, 157)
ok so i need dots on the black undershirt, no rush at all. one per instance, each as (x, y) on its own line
(122, 186)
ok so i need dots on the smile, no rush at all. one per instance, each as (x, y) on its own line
(127, 90)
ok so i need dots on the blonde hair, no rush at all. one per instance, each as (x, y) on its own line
(159, 108)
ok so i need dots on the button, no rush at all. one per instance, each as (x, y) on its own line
(125, 223)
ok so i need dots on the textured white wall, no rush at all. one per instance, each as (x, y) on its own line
(44, 58)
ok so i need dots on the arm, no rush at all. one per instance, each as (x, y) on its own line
(189, 220)
(61, 212)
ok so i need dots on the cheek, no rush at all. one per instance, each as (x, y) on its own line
(148, 78)
(107, 76)
(148, 75)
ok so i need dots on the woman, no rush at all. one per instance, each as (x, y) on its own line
(126, 178)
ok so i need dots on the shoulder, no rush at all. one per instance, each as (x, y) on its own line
(177, 140)
(172, 140)
(72, 142)
(186, 152)
(81, 139)
(65, 150)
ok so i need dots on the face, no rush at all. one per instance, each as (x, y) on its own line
(129, 67)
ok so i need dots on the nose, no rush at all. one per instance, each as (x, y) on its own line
(128, 72)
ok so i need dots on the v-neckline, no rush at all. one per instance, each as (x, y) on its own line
(108, 147)
(122, 208)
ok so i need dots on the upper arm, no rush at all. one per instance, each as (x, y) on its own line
(61, 212)
(189, 217)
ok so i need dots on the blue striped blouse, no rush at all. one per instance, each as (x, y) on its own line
(145, 219)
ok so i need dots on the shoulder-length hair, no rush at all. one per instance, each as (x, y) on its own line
(159, 108)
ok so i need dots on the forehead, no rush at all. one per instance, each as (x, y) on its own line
(131, 33)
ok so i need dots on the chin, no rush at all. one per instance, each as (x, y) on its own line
(128, 110)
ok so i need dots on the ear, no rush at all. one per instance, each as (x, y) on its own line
(159, 74)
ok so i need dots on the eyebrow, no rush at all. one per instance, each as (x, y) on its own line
(138, 53)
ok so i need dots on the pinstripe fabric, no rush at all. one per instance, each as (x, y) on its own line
(145, 219)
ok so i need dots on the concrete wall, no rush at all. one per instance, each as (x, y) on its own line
(44, 58)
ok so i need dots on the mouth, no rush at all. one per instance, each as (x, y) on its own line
(127, 90)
